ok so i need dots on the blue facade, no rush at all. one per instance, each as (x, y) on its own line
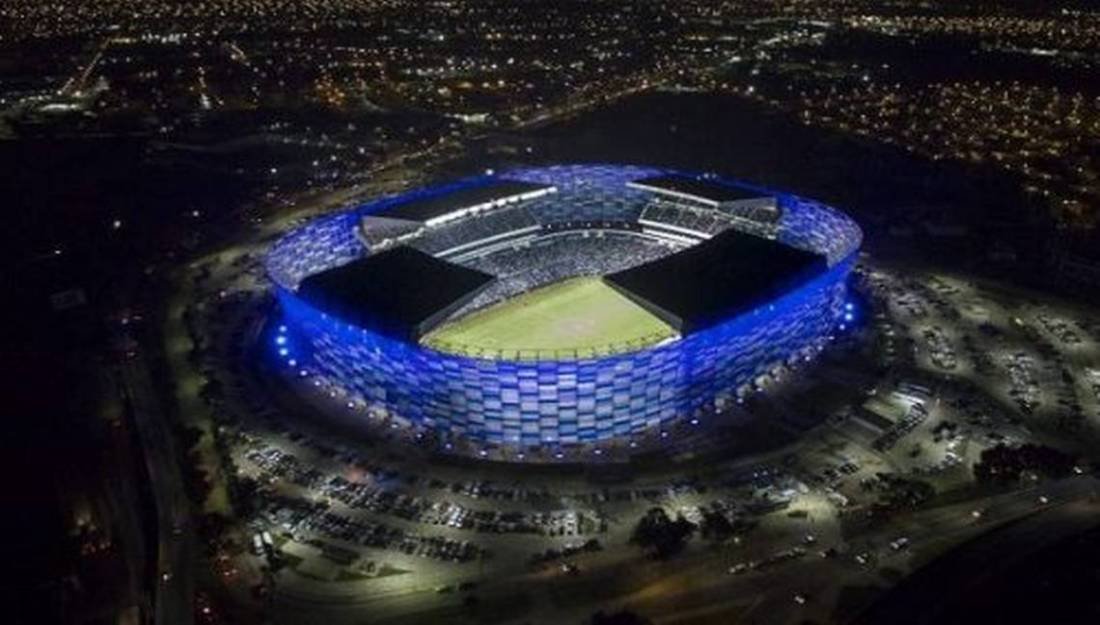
(561, 401)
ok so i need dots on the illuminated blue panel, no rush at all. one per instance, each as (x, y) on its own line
(562, 401)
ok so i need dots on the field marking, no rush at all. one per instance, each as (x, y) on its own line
(581, 315)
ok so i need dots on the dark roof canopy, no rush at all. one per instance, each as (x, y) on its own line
(702, 189)
(401, 293)
(426, 208)
(715, 280)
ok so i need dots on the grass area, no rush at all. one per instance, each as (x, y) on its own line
(580, 316)
(351, 576)
(357, 574)
(290, 561)
(386, 570)
(192, 411)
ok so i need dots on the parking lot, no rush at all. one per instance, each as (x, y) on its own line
(942, 369)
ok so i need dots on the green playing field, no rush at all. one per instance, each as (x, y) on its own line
(581, 315)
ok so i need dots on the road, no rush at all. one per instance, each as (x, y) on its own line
(176, 544)
(696, 584)
(929, 595)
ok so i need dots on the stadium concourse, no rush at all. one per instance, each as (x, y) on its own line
(560, 305)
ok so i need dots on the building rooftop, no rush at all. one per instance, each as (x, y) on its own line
(427, 208)
(704, 190)
(716, 280)
(401, 293)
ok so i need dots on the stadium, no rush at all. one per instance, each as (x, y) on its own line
(560, 305)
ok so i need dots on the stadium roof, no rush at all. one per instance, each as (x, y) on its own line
(401, 292)
(374, 229)
(715, 280)
(695, 188)
(432, 207)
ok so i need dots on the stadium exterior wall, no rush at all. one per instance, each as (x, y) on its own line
(560, 401)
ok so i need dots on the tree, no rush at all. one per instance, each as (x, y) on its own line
(716, 526)
(195, 480)
(660, 535)
(189, 436)
(1002, 464)
(902, 493)
(247, 498)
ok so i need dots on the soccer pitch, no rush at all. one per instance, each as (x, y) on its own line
(580, 316)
